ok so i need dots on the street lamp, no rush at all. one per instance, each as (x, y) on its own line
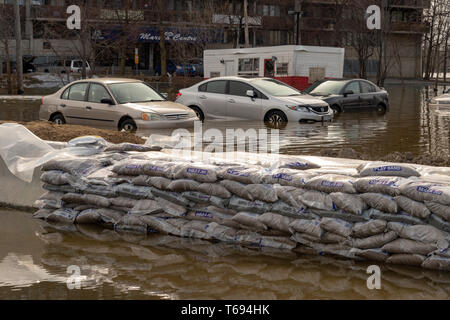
(298, 14)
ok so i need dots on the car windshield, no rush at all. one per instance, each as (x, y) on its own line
(134, 92)
(327, 88)
(275, 88)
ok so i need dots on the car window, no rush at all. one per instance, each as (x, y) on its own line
(238, 88)
(216, 87)
(78, 91)
(134, 92)
(353, 86)
(97, 92)
(202, 88)
(68, 63)
(275, 88)
(77, 64)
(367, 87)
(65, 94)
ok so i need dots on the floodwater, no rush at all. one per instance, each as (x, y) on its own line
(38, 260)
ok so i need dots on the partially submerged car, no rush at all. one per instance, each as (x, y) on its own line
(263, 99)
(347, 94)
(123, 104)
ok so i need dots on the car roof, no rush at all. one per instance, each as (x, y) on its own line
(241, 78)
(109, 80)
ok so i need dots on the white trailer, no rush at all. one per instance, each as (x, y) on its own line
(298, 66)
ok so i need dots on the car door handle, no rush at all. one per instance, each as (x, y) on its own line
(62, 105)
(89, 108)
(231, 101)
(203, 97)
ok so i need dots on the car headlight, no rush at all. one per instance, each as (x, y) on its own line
(299, 108)
(146, 116)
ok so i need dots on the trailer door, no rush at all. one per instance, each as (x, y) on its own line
(229, 68)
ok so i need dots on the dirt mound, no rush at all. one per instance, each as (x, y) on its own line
(64, 133)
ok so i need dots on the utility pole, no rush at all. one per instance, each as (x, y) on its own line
(19, 62)
(247, 41)
(298, 13)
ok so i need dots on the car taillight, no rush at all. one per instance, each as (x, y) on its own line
(42, 101)
(179, 94)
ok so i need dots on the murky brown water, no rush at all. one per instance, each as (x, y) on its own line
(34, 258)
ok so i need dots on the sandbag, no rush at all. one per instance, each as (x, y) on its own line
(331, 183)
(143, 207)
(263, 192)
(337, 226)
(51, 195)
(406, 259)
(249, 219)
(195, 230)
(90, 199)
(75, 166)
(171, 208)
(349, 202)
(386, 185)
(401, 217)
(183, 185)
(248, 206)
(63, 215)
(130, 167)
(221, 233)
(57, 178)
(310, 227)
(349, 217)
(61, 189)
(415, 208)
(197, 173)
(238, 189)
(289, 194)
(299, 212)
(160, 224)
(214, 189)
(424, 191)
(409, 246)
(104, 191)
(172, 197)
(438, 209)
(437, 263)
(276, 221)
(380, 202)
(134, 192)
(439, 223)
(104, 217)
(371, 254)
(48, 204)
(211, 214)
(422, 233)
(373, 242)
(42, 214)
(122, 202)
(242, 174)
(131, 222)
(127, 147)
(373, 169)
(297, 164)
(317, 200)
(367, 229)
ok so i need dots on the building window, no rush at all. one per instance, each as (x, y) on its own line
(249, 66)
(282, 68)
(214, 74)
(47, 45)
(271, 10)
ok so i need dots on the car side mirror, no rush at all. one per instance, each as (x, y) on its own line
(165, 95)
(348, 92)
(107, 101)
(251, 94)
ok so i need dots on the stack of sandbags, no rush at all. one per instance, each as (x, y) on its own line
(385, 214)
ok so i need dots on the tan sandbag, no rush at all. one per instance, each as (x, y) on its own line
(371, 254)
(373, 242)
(331, 183)
(406, 259)
(414, 208)
(385, 185)
(426, 191)
(337, 226)
(238, 189)
(373, 169)
(214, 189)
(95, 200)
(249, 219)
(422, 233)
(317, 200)
(182, 185)
(263, 192)
(438, 209)
(367, 229)
(276, 221)
(437, 263)
(409, 246)
(311, 227)
(380, 202)
(349, 202)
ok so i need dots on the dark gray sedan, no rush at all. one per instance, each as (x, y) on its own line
(344, 95)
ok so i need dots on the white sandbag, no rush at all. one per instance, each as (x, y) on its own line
(317, 200)
(414, 208)
(386, 185)
(424, 191)
(331, 183)
(247, 175)
(249, 219)
(171, 208)
(438, 209)
(367, 229)
(373, 169)
(310, 227)
(182, 185)
(248, 206)
(263, 192)
(214, 189)
(200, 173)
(134, 192)
(409, 246)
(371, 254)
(131, 222)
(437, 263)
(406, 259)
(422, 233)
(349, 202)
(238, 189)
(90, 199)
(373, 242)
(276, 221)
(380, 202)
(337, 226)
(143, 207)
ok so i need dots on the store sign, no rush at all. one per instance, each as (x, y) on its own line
(152, 34)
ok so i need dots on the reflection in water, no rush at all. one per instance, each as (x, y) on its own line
(134, 266)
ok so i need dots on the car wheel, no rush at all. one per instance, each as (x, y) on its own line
(198, 112)
(128, 125)
(336, 109)
(275, 117)
(381, 108)
(58, 119)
